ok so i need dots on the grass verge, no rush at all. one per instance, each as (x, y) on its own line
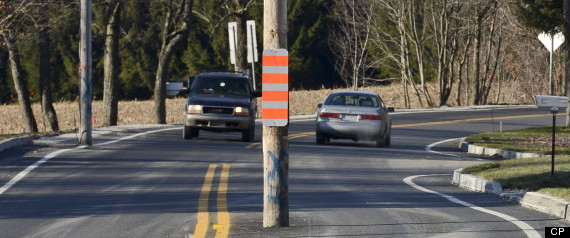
(531, 140)
(532, 174)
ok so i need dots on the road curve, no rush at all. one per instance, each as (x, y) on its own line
(133, 183)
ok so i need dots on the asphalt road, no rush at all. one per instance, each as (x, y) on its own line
(151, 183)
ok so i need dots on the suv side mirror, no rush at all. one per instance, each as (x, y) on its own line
(256, 93)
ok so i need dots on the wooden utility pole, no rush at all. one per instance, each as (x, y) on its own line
(275, 141)
(85, 74)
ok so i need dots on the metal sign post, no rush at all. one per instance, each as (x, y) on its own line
(551, 42)
(553, 102)
(554, 110)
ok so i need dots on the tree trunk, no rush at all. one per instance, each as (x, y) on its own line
(172, 37)
(50, 117)
(477, 64)
(111, 73)
(23, 94)
(567, 61)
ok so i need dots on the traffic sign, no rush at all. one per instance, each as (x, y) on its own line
(275, 80)
(551, 101)
(232, 33)
(551, 41)
(251, 42)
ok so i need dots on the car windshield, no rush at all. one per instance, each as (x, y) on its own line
(221, 86)
(350, 99)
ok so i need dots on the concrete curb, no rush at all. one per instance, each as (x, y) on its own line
(537, 201)
(14, 142)
(507, 154)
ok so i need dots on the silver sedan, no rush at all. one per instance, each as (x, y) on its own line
(355, 115)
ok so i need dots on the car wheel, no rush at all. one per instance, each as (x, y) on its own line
(248, 135)
(322, 139)
(186, 133)
(388, 140)
(189, 132)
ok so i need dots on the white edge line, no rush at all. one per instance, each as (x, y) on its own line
(526, 228)
(29, 169)
(428, 148)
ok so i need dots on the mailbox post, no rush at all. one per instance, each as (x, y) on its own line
(553, 102)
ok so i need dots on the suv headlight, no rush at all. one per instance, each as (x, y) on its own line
(241, 111)
(194, 109)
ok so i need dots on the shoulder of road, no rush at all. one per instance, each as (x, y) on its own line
(538, 201)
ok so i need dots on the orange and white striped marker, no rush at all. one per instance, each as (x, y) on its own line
(275, 80)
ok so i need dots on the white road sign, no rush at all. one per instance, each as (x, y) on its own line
(251, 42)
(551, 42)
(550, 101)
(232, 33)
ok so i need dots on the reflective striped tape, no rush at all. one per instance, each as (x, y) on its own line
(275, 80)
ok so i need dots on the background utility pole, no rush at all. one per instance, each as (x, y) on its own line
(85, 74)
(275, 141)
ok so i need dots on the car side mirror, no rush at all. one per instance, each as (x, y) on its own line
(256, 93)
(391, 109)
(319, 105)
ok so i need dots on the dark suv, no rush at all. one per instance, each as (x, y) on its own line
(221, 102)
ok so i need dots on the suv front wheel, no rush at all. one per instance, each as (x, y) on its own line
(248, 135)
(189, 132)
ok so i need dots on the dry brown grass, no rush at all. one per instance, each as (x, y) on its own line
(142, 112)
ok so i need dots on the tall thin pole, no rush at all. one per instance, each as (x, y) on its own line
(252, 56)
(550, 85)
(275, 141)
(85, 72)
(553, 139)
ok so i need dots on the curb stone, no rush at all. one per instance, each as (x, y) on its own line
(537, 201)
(507, 154)
(14, 142)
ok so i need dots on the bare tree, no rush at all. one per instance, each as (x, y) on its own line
(12, 16)
(448, 41)
(234, 8)
(48, 111)
(484, 33)
(175, 30)
(351, 39)
(395, 34)
(111, 62)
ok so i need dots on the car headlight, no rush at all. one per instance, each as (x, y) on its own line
(241, 111)
(194, 109)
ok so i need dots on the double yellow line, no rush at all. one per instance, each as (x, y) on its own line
(223, 226)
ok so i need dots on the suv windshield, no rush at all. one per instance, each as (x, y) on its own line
(220, 86)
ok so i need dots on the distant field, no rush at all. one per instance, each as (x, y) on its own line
(141, 112)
